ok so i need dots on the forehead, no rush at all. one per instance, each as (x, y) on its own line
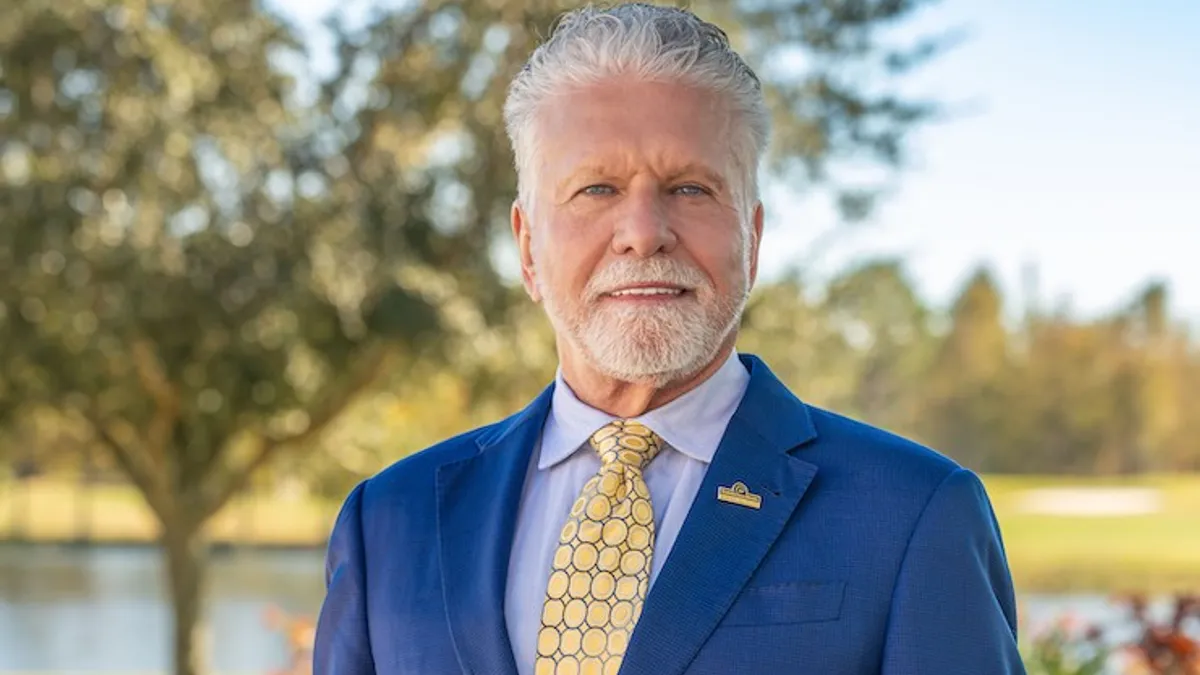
(625, 126)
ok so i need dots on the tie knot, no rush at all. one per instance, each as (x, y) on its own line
(629, 443)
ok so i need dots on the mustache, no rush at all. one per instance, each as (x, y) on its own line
(625, 271)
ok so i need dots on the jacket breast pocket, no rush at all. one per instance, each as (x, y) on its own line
(786, 603)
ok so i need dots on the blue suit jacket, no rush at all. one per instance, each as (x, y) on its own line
(869, 555)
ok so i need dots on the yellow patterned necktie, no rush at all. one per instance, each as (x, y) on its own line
(602, 565)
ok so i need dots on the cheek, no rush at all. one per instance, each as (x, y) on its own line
(573, 253)
(720, 251)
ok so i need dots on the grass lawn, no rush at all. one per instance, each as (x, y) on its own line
(54, 511)
(1154, 551)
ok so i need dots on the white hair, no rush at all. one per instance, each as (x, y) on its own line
(650, 43)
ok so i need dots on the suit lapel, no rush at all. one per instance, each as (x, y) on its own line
(721, 544)
(478, 499)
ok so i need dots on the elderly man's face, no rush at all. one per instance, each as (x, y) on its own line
(636, 244)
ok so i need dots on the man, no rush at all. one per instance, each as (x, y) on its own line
(667, 506)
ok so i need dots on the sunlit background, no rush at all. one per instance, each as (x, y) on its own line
(249, 256)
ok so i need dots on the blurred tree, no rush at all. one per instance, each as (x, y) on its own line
(977, 344)
(1101, 397)
(804, 348)
(1061, 412)
(1182, 450)
(879, 314)
(1160, 358)
(425, 401)
(1147, 356)
(967, 402)
(206, 260)
(175, 267)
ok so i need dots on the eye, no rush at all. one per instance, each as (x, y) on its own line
(691, 190)
(598, 190)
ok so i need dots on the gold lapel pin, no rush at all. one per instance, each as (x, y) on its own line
(740, 495)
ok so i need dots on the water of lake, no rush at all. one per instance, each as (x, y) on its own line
(102, 610)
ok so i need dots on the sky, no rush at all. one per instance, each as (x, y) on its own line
(1074, 150)
(1077, 153)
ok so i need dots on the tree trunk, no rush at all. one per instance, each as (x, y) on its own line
(186, 551)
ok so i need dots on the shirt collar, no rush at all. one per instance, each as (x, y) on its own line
(692, 424)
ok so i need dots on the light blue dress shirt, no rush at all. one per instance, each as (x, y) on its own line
(692, 426)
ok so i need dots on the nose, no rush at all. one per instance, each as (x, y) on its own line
(644, 225)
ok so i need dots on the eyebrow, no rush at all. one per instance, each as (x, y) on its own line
(590, 171)
(586, 171)
(703, 171)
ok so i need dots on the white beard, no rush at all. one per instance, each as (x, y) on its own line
(656, 344)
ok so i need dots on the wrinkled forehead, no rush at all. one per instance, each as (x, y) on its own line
(620, 127)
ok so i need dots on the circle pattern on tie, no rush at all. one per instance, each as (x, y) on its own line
(601, 568)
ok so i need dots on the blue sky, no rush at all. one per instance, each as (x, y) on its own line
(1081, 154)
(1078, 151)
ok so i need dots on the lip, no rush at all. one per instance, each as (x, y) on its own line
(646, 292)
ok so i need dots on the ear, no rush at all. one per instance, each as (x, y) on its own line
(523, 234)
(755, 240)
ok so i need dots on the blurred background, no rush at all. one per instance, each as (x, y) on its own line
(252, 253)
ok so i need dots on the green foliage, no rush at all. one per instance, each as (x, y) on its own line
(157, 280)
(887, 324)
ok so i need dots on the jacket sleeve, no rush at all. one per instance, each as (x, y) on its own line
(953, 607)
(342, 644)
